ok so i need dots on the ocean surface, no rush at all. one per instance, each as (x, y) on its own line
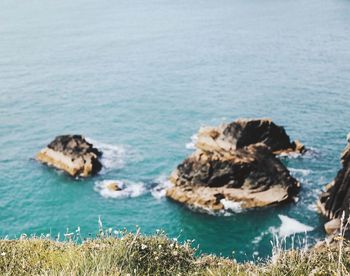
(139, 78)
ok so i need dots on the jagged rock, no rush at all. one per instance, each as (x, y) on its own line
(235, 166)
(334, 202)
(72, 154)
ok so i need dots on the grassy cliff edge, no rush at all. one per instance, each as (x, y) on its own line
(135, 254)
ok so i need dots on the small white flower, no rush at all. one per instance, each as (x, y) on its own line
(143, 246)
(156, 258)
(175, 253)
(160, 246)
(3, 253)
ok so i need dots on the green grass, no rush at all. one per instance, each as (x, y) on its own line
(135, 254)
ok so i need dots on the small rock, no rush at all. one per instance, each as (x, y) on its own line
(113, 186)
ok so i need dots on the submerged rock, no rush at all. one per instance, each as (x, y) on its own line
(72, 154)
(234, 167)
(114, 186)
(335, 201)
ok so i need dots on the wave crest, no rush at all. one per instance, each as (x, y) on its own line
(291, 226)
(159, 190)
(192, 145)
(114, 156)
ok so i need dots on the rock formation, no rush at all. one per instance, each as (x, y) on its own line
(234, 166)
(72, 154)
(335, 201)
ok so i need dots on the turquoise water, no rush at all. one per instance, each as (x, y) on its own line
(142, 77)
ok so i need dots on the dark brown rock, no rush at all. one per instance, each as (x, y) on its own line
(73, 154)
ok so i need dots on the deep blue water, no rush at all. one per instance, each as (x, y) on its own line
(143, 76)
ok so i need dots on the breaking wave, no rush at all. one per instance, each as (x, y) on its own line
(299, 172)
(288, 227)
(114, 156)
(291, 226)
(159, 189)
(231, 205)
(309, 153)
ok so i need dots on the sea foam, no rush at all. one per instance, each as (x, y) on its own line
(310, 153)
(159, 190)
(114, 156)
(290, 154)
(230, 205)
(192, 145)
(301, 172)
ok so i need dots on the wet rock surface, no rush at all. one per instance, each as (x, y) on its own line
(234, 166)
(72, 154)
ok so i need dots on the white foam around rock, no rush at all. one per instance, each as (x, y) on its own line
(231, 205)
(128, 189)
(113, 156)
(192, 145)
(159, 190)
(290, 154)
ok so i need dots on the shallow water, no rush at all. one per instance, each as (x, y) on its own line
(143, 77)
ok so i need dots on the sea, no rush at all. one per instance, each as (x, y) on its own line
(138, 79)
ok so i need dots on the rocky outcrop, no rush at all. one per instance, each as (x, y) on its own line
(72, 154)
(234, 167)
(335, 201)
